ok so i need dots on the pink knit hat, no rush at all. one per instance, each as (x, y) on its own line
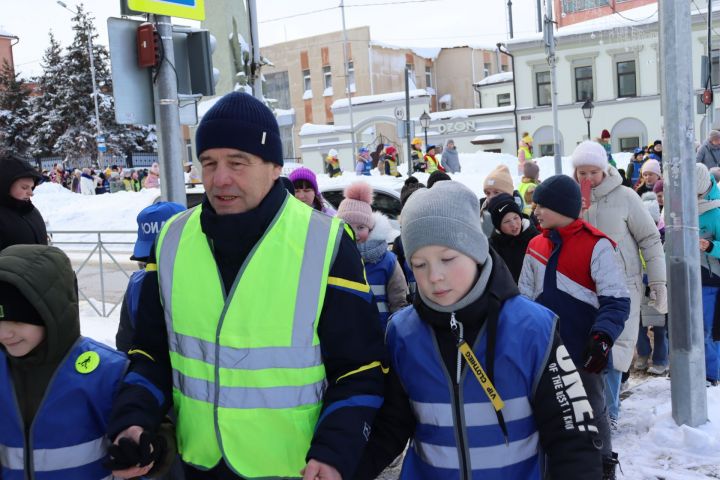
(653, 166)
(355, 208)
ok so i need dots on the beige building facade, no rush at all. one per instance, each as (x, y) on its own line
(308, 75)
(7, 40)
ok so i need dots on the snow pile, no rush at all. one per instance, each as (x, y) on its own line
(96, 326)
(383, 97)
(497, 78)
(652, 446)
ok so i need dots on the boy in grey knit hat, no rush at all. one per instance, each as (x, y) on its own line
(469, 313)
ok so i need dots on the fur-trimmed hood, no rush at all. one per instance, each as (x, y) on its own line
(382, 230)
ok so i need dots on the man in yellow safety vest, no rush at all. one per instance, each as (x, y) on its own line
(255, 322)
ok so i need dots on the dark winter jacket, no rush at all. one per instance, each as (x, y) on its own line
(128, 312)
(20, 221)
(632, 174)
(512, 249)
(349, 332)
(571, 453)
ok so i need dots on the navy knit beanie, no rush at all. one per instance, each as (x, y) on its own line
(242, 122)
(560, 194)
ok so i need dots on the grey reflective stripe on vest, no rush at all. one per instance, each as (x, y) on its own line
(249, 397)
(52, 459)
(382, 307)
(166, 263)
(11, 458)
(476, 414)
(245, 358)
(378, 289)
(498, 456)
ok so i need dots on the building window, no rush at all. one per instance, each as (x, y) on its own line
(351, 76)
(626, 79)
(277, 87)
(327, 77)
(428, 77)
(503, 100)
(572, 6)
(628, 144)
(306, 80)
(487, 68)
(503, 68)
(542, 88)
(583, 83)
(547, 150)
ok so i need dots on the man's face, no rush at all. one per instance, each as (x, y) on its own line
(22, 189)
(715, 141)
(236, 181)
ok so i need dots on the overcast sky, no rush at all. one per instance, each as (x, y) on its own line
(422, 23)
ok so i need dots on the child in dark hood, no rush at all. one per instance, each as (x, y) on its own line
(512, 232)
(56, 387)
(20, 221)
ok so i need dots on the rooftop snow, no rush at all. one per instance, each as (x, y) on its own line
(497, 78)
(385, 97)
(424, 52)
(315, 129)
(5, 33)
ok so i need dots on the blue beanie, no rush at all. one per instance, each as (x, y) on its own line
(560, 194)
(242, 122)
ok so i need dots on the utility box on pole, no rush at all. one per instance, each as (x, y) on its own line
(687, 359)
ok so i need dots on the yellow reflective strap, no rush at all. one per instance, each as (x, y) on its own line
(363, 368)
(485, 382)
(151, 267)
(342, 282)
(349, 231)
(131, 352)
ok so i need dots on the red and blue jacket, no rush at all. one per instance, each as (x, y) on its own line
(576, 272)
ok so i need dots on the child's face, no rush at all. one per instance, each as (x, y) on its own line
(511, 224)
(660, 198)
(443, 275)
(22, 189)
(362, 232)
(594, 174)
(19, 338)
(650, 178)
(305, 195)
(549, 219)
(491, 192)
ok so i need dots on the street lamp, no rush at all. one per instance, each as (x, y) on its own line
(587, 110)
(98, 130)
(425, 123)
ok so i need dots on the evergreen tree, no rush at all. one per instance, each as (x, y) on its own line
(47, 123)
(14, 113)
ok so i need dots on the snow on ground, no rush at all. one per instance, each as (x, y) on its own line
(96, 326)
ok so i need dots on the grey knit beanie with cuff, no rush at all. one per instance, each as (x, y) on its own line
(447, 214)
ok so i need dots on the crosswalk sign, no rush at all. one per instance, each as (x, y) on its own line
(192, 9)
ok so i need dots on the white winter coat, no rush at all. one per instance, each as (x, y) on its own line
(619, 212)
(87, 186)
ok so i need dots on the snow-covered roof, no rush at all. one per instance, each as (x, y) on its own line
(5, 33)
(497, 78)
(447, 98)
(424, 52)
(206, 105)
(644, 15)
(280, 112)
(315, 129)
(484, 139)
(468, 112)
(384, 97)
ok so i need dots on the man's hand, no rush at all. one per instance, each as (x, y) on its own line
(315, 470)
(133, 453)
(704, 244)
(597, 352)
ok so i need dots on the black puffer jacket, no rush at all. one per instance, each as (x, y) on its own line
(20, 221)
(512, 249)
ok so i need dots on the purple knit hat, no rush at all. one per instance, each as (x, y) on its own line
(658, 186)
(305, 174)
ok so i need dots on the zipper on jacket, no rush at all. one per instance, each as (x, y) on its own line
(457, 329)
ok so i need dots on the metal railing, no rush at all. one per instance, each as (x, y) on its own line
(99, 248)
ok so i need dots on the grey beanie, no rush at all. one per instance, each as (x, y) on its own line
(702, 179)
(447, 214)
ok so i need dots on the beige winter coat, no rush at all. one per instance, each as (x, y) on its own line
(619, 212)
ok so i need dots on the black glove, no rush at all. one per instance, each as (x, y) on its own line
(127, 453)
(597, 352)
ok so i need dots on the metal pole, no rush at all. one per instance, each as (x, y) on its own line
(588, 125)
(687, 360)
(256, 79)
(98, 128)
(167, 117)
(407, 121)
(550, 46)
(347, 85)
(509, 5)
(710, 116)
(539, 16)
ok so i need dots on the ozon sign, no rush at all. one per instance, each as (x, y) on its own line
(454, 127)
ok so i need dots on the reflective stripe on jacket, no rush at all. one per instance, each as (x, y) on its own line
(457, 434)
(378, 276)
(248, 376)
(67, 438)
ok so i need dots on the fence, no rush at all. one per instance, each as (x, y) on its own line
(131, 160)
(78, 242)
